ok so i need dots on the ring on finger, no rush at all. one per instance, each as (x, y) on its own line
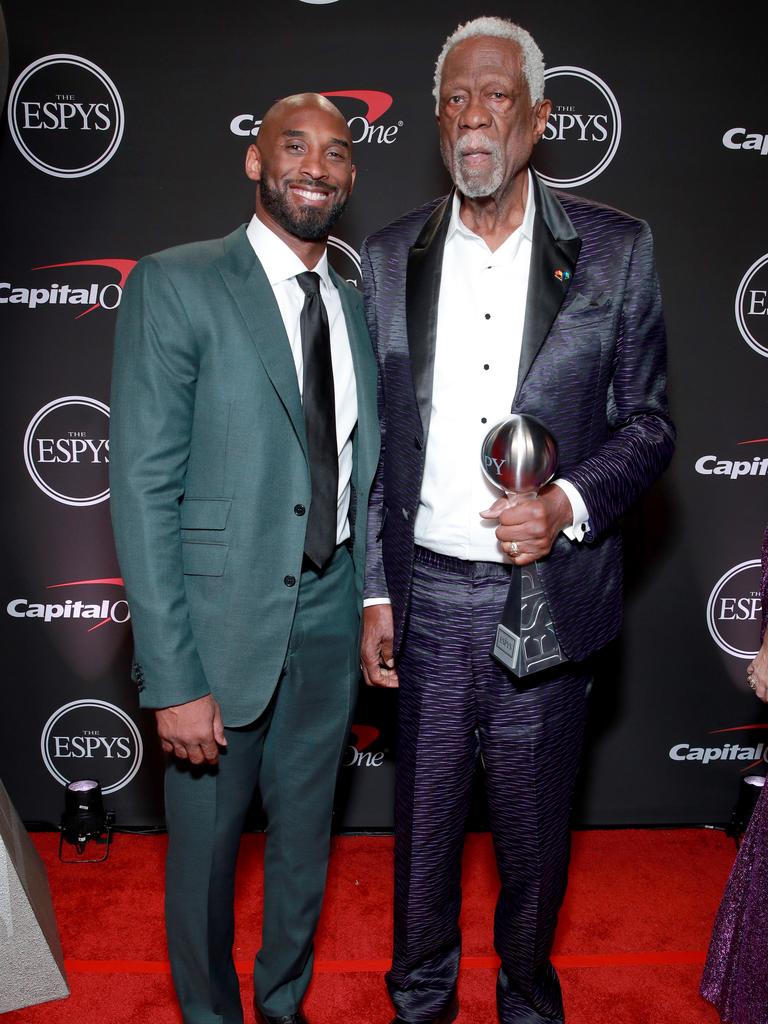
(513, 547)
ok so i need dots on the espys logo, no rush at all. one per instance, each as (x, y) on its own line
(66, 116)
(583, 130)
(754, 753)
(734, 469)
(752, 306)
(357, 754)
(345, 261)
(733, 610)
(361, 125)
(92, 738)
(105, 611)
(740, 138)
(66, 450)
(81, 292)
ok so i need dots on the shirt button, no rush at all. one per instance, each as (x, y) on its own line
(483, 419)
(289, 581)
(487, 316)
(486, 366)
(299, 510)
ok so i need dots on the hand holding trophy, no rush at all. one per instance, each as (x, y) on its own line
(519, 455)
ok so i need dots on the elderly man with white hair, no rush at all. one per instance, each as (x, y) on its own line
(502, 297)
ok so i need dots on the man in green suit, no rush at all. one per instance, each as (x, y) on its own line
(244, 442)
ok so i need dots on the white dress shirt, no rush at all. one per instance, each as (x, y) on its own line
(481, 314)
(281, 265)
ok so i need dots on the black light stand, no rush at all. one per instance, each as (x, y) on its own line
(85, 819)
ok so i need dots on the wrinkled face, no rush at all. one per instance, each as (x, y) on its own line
(488, 127)
(303, 164)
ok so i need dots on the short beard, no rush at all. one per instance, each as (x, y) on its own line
(473, 184)
(309, 223)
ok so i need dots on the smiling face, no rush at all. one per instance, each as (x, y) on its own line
(303, 164)
(488, 126)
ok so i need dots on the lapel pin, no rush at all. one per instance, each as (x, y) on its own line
(563, 275)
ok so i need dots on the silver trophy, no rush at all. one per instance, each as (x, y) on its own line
(519, 455)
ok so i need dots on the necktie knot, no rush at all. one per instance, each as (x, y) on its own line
(309, 282)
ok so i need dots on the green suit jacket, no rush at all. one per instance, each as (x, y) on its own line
(209, 472)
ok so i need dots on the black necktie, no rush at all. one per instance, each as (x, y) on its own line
(320, 421)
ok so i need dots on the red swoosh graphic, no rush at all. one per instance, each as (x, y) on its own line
(737, 728)
(123, 267)
(114, 581)
(365, 735)
(757, 440)
(378, 103)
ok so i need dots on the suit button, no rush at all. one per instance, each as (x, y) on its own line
(299, 510)
(418, 443)
(406, 514)
(289, 581)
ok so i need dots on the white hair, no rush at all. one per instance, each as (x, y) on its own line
(502, 28)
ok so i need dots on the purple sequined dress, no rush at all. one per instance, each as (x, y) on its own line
(736, 973)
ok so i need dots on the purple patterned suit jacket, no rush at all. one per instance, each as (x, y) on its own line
(592, 368)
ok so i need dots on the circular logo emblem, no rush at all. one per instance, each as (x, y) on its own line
(92, 739)
(66, 450)
(752, 306)
(65, 116)
(345, 261)
(733, 610)
(583, 131)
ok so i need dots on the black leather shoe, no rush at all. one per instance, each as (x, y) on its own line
(448, 1013)
(287, 1018)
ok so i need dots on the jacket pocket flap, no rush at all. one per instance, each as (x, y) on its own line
(581, 304)
(201, 559)
(205, 513)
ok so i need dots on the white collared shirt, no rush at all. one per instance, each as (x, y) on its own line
(481, 314)
(281, 266)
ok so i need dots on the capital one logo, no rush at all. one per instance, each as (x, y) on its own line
(362, 126)
(93, 294)
(92, 739)
(104, 611)
(752, 306)
(733, 610)
(357, 754)
(583, 131)
(734, 469)
(65, 115)
(751, 748)
(66, 450)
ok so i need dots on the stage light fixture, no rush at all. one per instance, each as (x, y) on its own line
(750, 788)
(85, 819)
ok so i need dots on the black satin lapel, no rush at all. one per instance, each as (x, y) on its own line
(552, 268)
(422, 292)
(554, 253)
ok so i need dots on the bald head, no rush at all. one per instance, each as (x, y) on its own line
(303, 102)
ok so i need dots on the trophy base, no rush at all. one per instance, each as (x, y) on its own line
(525, 638)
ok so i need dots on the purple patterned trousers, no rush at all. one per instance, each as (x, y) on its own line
(457, 702)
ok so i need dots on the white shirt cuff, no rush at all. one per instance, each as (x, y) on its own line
(369, 601)
(580, 525)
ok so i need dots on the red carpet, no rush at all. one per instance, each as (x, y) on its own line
(629, 948)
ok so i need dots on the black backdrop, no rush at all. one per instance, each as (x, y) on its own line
(125, 132)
